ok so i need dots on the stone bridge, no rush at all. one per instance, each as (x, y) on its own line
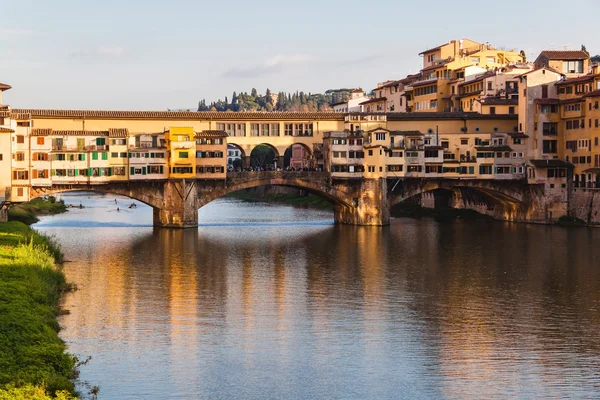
(356, 201)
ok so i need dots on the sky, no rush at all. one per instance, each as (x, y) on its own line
(158, 55)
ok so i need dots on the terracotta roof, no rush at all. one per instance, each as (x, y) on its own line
(6, 130)
(118, 132)
(593, 93)
(592, 170)
(185, 115)
(565, 54)
(356, 91)
(539, 69)
(585, 78)
(4, 86)
(551, 163)
(478, 78)
(378, 129)
(571, 101)
(79, 133)
(376, 100)
(388, 84)
(448, 116)
(546, 101)
(460, 96)
(499, 101)
(425, 83)
(41, 132)
(211, 133)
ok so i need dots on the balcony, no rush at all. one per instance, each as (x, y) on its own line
(80, 149)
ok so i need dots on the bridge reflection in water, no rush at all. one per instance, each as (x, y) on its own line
(419, 310)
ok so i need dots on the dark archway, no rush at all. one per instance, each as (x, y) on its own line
(264, 156)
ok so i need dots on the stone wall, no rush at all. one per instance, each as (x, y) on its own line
(585, 204)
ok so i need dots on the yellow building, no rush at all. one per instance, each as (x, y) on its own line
(181, 149)
(445, 66)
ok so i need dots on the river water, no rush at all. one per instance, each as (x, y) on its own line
(274, 302)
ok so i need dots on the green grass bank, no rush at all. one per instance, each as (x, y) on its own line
(34, 363)
(27, 213)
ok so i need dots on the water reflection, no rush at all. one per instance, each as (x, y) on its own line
(255, 305)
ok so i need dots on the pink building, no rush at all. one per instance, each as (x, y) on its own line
(300, 157)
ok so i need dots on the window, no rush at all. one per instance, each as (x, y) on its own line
(183, 154)
(550, 128)
(511, 110)
(380, 136)
(445, 144)
(485, 169)
(19, 175)
(492, 110)
(20, 139)
(40, 140)
(464, 141)
(23, 123)
(549, 146)
(370, 152)
(20, 156)
(573, 67)
(544, 91)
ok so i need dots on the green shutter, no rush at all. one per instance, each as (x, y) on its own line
(94, 156)
(147, 155)
(105, 156)
(110, 172)
(89, 173)
(161, 169)
(131, 171)
(143, 170)
(53, 172)
(83, 157)
(76, 172)
(151, 155)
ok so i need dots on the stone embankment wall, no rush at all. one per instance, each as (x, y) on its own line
(585, 204)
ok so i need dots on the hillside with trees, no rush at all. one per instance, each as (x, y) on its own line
(281, 101)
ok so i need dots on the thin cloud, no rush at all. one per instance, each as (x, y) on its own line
(100, 52)
(271, 65)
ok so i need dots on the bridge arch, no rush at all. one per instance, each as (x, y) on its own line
(507, 201)
(305, 181)
(142, 192)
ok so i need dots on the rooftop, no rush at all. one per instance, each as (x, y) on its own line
(211, 133)
(184, 115)
(4, 86)
(375, 100)
(565, 54)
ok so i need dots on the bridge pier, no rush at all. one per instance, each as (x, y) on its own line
(370, 205)
(179, 206)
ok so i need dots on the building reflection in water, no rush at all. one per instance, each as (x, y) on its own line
(416, 310)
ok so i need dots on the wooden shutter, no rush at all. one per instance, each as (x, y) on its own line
(34, 174)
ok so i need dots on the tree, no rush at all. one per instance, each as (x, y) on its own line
(261, 156)
(254, 93)
(234, 98)
(226, 102)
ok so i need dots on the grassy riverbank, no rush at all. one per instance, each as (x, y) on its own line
(27, 212)
(290, 199)
(33, 359)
